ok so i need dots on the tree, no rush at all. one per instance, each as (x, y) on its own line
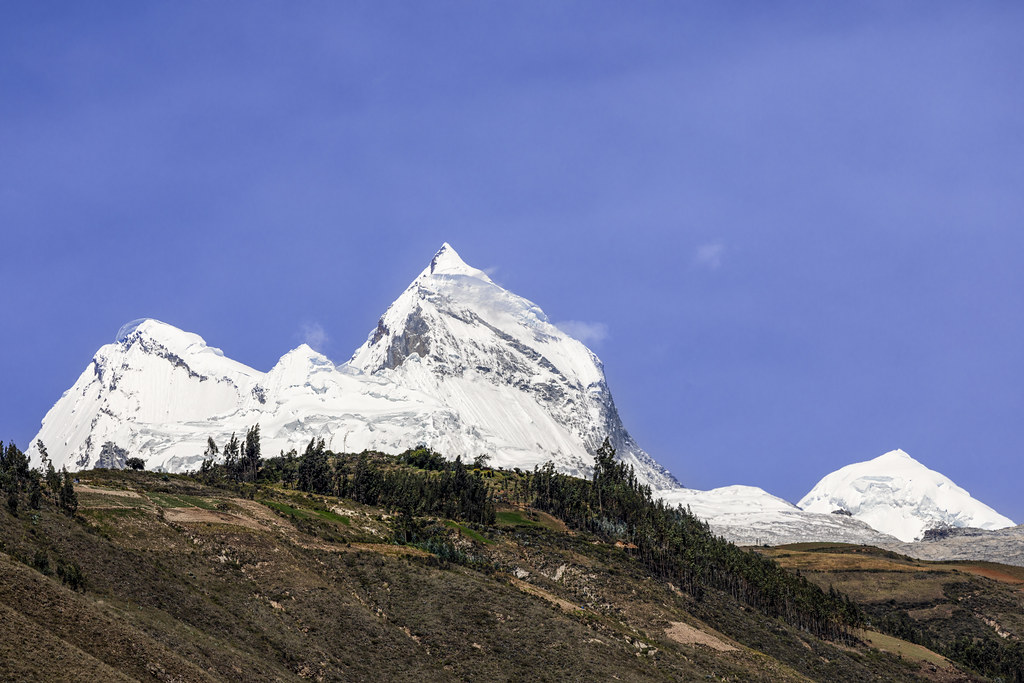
(135, 464)
(251, 458)
(68, 499)
(35, 493)
(44, 457)
(52, 481)
(314, 475)
(231, 452)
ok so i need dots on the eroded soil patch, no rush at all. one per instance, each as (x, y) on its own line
(200, 516)
(688, 635)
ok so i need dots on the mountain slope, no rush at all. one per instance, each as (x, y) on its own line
(456, 363)
(899, 496)
(325, 595)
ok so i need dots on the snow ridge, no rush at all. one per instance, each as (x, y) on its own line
(748, 515)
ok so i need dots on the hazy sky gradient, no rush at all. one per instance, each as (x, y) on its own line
(792, 231)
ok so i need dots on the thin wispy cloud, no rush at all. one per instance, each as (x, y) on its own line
(710, 255)
(588, 333)
(314, 335)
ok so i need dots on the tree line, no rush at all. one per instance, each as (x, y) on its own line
(24, 486)
(429, 486)
(677, 546)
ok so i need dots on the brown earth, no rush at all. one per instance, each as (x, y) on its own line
(125, 493)
(688, 635)
(201, 516)
(541, 593)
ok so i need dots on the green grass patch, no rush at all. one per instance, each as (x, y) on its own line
(333, 516)
(820, 546)
(305, 513)
(513, 518)
(287, 509)
(475, 535)
(196, 501)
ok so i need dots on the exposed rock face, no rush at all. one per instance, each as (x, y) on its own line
(112, 456)
(1002, 545)
(747, 515)
(414, 339)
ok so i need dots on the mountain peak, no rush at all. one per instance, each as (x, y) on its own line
(448, 262)
(899, 453)
(303, 355)
(139, 325)
(900, 496)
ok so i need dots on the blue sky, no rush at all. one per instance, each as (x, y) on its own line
(792, 231)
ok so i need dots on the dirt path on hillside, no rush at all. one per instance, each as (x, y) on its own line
(201, 516)
(688, 635)
(545, 595)
(124, 493)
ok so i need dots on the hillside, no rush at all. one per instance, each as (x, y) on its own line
(972, 611)
(163, 577)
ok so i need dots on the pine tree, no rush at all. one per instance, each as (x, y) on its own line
(44, 457)
(251, 458)
(314, 474)
(231, 452)
(68, 498)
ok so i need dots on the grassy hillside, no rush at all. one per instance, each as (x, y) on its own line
(972, 612)
(163, 577)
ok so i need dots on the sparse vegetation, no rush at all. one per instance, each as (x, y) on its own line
(192, 577)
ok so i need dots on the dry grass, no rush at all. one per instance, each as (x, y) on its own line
(688, 635)
(545, 595)
(177, 591)
(201, 516)
(903, 648)
(841, 562)
(86, 488)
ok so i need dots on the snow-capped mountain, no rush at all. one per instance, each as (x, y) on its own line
(456, 363)
(748, 515)
(496, 360)
(899, 496)
(140, 393)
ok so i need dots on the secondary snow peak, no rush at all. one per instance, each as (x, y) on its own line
(899, 496)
